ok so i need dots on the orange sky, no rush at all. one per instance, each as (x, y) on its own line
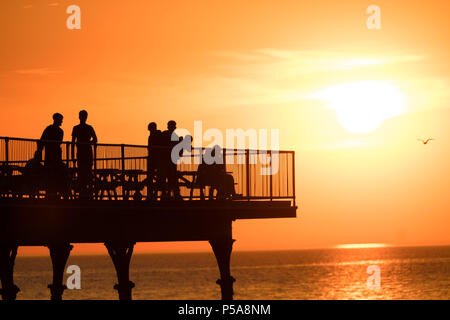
(235, 64)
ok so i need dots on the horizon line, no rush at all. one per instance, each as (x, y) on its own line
(334, 247)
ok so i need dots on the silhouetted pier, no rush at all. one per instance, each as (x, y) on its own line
(120, 213)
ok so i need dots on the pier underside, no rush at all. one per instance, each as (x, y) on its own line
(119, 225)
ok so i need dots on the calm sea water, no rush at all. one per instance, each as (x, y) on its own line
(406, 273)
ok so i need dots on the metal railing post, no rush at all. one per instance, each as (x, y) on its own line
(287, 176)
(95, 159)
(122, 156)
(68, 145)
(7, 151)
(293, 175)
(247, 169)
(224, 157)
(271, 175)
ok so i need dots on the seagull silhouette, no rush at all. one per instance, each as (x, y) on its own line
(425, 141)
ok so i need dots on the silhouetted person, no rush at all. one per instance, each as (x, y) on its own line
(212, 172)
(51, 142)
(169, 166)
(154, 162)
(33, 173)
(33, 166)
(83, 136)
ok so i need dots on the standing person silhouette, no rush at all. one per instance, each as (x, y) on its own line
(83, 136)
(154, 162)
(51, 142)
(169, 166)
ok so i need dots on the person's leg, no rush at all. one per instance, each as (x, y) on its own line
(211, 192)
(229, 185)
(220, 186)
(173, 181)
(89, 177)
(150, 178)
(51, 177)
(163, 182)
(152, 184)
(85, 176)
(82, 178)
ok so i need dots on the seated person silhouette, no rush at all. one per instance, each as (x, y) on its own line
(32, 175)
(212, 172)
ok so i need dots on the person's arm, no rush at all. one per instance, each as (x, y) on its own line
(94, 137)
(149, 146)
(72, 148)
(180, 140)
(94, 142)
(40, 143)
(72, 145)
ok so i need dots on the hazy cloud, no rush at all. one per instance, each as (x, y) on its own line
(37, 71)
(271, 76)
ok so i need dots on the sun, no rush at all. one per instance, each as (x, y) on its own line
(361, 245)
(362, 106)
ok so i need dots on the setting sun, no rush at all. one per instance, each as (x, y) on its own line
(361, 245)
(362, 106)
(251, 150)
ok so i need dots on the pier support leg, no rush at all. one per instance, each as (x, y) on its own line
(222, 250)
(59, 253)
(121, 256)
(7, 258)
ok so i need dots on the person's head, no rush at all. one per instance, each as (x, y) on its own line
(83, 116)
(216, 150)
(171, 125)
(57, 119)
(188, 138)
(152, 127)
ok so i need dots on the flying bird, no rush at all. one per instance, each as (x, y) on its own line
(425, 141)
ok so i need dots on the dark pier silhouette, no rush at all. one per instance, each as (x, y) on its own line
(119, 212)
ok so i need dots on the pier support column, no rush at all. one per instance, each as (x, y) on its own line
(7, 258)
(59, 253)
(222, 250)
(121, 256)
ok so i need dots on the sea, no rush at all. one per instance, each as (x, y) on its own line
(357, 273)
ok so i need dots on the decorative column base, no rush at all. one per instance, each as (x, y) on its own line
(7, 259)
(120, 254)
(59, 253)
(222, 250)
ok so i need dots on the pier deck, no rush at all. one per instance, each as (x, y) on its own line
(121, 212)
(31, 222)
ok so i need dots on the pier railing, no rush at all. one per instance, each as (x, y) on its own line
(258, 174)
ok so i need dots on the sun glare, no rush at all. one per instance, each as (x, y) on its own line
(362, 106)
(361, 245)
